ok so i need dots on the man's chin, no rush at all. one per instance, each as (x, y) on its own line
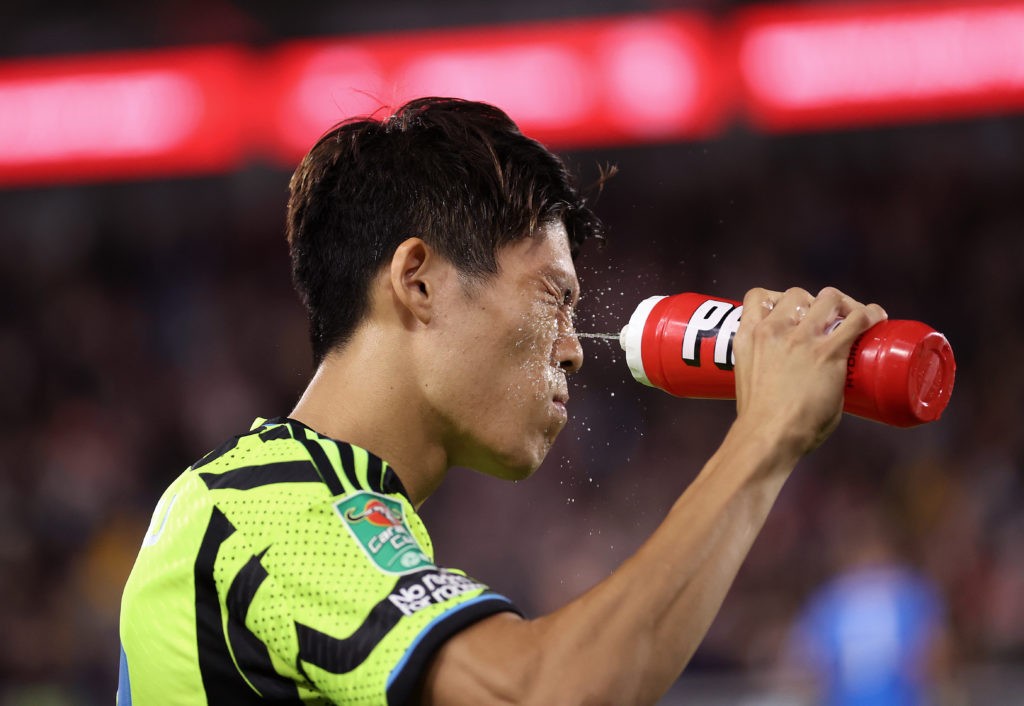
(517, 463)
(511, 468)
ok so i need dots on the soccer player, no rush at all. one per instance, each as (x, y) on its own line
(434, 253)
(875, 634)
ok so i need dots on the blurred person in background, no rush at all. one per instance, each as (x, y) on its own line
(434, 253)
(875, 633)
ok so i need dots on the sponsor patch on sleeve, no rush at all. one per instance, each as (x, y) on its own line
(377, 523)
(430, 588)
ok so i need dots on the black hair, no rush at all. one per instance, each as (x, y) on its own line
(458, 174)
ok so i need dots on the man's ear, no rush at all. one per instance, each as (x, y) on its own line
(416, 273)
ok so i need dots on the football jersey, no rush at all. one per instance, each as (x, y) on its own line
(288, 567)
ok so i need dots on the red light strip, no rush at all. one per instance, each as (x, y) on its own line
(567, 84)
(623, 80)
(813, 67)
(96, 117)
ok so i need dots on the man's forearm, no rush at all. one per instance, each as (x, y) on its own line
(627, 639)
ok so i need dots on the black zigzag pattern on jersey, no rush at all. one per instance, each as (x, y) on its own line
(374, 472)
(341, 655)
(381, 480)
(216, 453)
(323, 464)
(250, 652)
(348, 463)
(226, 447)
(391, 484)
(249, 477)
(222, 682)
(279, 432)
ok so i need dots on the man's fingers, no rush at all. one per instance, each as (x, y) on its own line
(830, 307)
(842, 317)
(782, 308)
(829, 312)
(758, 303)
(792, 307)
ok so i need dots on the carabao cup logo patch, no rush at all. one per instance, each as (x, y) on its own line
(377, 523)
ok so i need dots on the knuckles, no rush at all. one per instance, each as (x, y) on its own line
(830, 293)
(760, 303)
(756, 296)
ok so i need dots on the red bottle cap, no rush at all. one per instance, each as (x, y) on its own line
(913, 371)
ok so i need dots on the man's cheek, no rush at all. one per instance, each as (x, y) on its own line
(535, 337)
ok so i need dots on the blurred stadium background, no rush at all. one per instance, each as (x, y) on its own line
(145, 150)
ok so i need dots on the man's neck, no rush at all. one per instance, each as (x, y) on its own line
(361, 395)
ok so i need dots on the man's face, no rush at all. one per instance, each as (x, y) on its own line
(509, 343)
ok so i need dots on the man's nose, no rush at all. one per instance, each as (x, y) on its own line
(568, 351)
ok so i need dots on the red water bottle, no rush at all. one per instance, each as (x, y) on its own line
(899, 372)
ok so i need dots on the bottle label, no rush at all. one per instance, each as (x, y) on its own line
(712, 319)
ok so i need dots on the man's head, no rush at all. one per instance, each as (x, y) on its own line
(457, 174)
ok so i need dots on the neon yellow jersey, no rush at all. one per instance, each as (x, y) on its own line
(288, 567)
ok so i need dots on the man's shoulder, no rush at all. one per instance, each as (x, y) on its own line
(270, 453)
(283, 450)
(281, 476)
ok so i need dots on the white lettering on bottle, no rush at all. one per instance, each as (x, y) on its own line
(725, 356)
(705, 322)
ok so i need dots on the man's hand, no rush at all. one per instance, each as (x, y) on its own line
(791, 362)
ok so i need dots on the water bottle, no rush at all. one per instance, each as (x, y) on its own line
(899, 372)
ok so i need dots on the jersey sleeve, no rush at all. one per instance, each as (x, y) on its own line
(355, 604)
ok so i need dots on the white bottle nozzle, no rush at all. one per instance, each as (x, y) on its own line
(631, 338)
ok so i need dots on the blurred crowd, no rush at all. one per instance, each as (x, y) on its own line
(144, 323)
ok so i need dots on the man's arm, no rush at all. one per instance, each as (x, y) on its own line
(627, 639)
